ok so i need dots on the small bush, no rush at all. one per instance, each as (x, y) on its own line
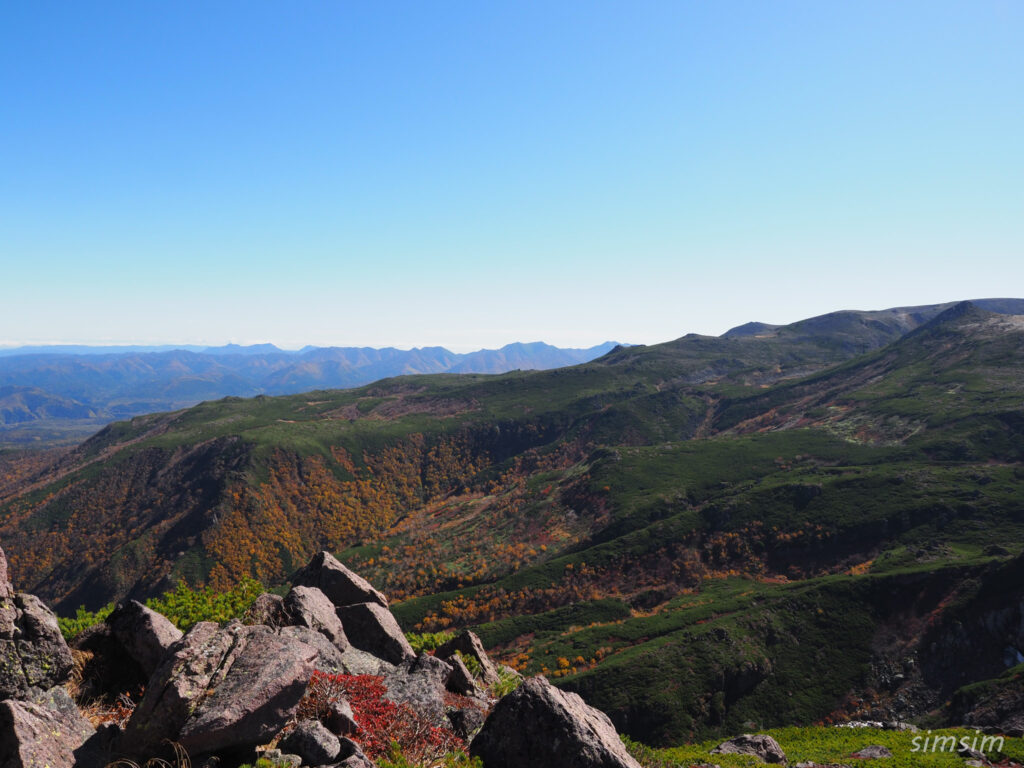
(427, 642)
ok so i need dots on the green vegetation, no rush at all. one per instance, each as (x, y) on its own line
(184, 606)
(831, 745)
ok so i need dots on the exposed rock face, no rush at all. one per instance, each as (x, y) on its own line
(467, 721)
(543, 727)
(460, 680)
(267, 609)
(222, 690)
(309, 607)
(342, 586)
(371, 627)
(352, 756)
(312, 742)
(420, 683)
(468, 644)
(33, 653)
(763, 747)
(33, 736)
(144, 634)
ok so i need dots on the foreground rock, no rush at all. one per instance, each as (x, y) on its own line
(144, 634)
(312, 742)
(34, 736)
(763, 747)
(309, 607)
(421, 684)
(33, 654)
(542, 727)
(373, 629)
(223, 691)
(469, 645)
(342, 586)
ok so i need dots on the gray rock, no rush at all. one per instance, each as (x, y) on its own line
(278, 757)
(311, 741)
(144, 634)
(342, 586)
(420, 683)
(468, 644)
(466, 722)
(542, 727)
(330, 659)
(461, 681)
(309, 607)
(267, 609)
(872, 752)
(763, 747)
(339, 719)
(33, 653)
(352, 756)
(223, 690)
(372, 628)
(33, 736)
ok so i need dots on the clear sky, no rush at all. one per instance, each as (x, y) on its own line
(474, 173)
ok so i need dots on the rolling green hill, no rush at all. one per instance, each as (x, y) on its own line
(780, 525)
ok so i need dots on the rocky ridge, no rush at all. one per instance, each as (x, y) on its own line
(228, 694)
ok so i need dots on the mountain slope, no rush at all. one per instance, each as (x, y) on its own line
(694, 534)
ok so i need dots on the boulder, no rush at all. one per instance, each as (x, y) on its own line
(351, 756)
(144, 634)
(311, 741)
(309, 607)
(468, 644)
(543, 727)
(33, 653)
(342, 586)
(460, 680)
(33, 736)
(872, 752)
(104, 667)
(223, 691)
(373, 629)
(330, 659)
(339, 719)
(467, 721)
(267, 609)
(420, 683)
(763, 747)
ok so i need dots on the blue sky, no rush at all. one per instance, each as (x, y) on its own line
(469, 174)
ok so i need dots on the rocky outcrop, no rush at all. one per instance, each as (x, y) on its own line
(33, 654)
(311, 741)
(267, 609)
(763, 747)
(309, 607)
(421, 684)
(222, 690)
(543, 727)
(342, 586)
(469, 645)
(460, 680)
(144, 634)
(873, 752)
(33, 735)
(372, 628)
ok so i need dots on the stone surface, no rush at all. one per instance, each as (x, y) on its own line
(311, 741)
(372, 628)
(460, 680)
(223, 690)
(420, 683)
(872, 752)
(34, 736)
(542, 727)
(467, 721)
(763, 747)
(33, 653)
(342, 586)
(267, 609)
(105, 668)
(330, 659)
(339, 719)
(144, 634)
(468, 644)
(351, 756)
(309, 607)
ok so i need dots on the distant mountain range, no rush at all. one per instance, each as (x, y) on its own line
(64, 393)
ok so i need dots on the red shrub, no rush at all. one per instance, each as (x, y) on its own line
(381, 721)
